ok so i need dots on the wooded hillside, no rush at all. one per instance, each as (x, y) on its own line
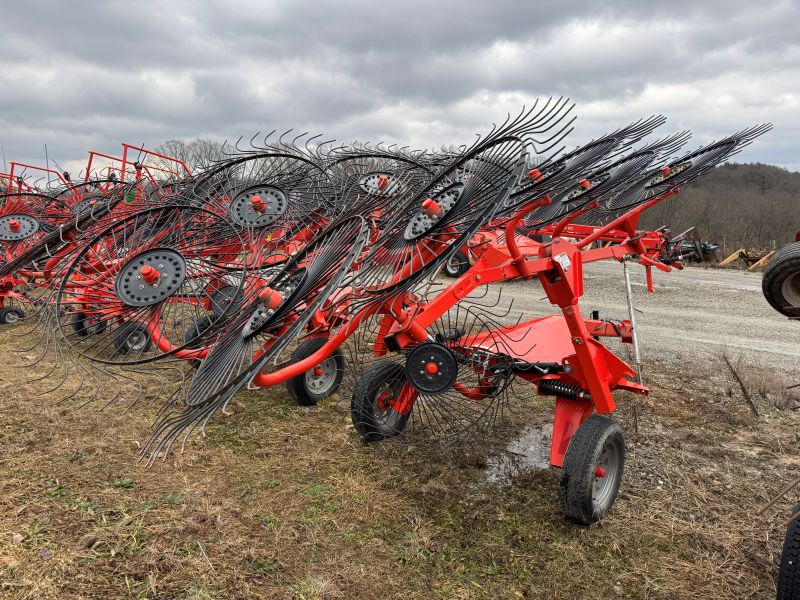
(751, 205)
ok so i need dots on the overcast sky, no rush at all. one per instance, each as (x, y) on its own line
(82, 75)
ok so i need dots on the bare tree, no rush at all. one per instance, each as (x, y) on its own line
(198, 154)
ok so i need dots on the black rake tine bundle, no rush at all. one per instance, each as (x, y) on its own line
(264, 328)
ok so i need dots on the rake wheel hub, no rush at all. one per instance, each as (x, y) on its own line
(271, 301)
(14, 228)
(258, 207)
(431, 368)
(86, 205)
(150, 277)
(380, 183)
(431, 211)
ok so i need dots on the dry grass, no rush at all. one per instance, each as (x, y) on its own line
(285, 502)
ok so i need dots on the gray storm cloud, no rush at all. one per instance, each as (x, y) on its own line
(83, 75)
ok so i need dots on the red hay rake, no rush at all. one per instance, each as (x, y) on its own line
(298, 261)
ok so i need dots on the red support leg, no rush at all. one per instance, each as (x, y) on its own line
(569, 415)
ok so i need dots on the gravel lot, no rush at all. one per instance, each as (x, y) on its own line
(693, 314)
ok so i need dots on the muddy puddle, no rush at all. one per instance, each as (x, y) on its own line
(527, 451)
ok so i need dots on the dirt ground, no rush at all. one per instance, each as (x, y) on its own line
(280, 501)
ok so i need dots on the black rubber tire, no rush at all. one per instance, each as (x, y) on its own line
(366, 420)
(80, 325)
(459, 266)
(782, 270)
(298, 387)
(10, 315)
(196, 330)
(578, 473)
(122, 338)
(789, 571)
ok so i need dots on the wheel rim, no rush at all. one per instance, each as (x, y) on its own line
(790, 289)
(606, 474)
(453, 265)
(136, 341)
(322, 383)
(11, 317)
(386, 417)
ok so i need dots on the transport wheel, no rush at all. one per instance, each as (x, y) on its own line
(9, 316)
(592, 470)
(85, 325)
(457, 265)
(789, 573)
(131, 338)
(781, 281)
(375, 398)
(320, 382)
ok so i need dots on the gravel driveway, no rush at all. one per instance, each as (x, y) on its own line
(693, 314)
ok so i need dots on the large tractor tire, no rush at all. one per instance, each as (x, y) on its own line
(781, 282)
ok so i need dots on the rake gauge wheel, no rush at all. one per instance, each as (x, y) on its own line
(9, 316)
(592, 470)
(14, 228)
(84, 325)
(457, 265)
(131, 338)
(320, 381)
(258, 206)
(375, 403)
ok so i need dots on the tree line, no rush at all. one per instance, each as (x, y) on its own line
(755, 206)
